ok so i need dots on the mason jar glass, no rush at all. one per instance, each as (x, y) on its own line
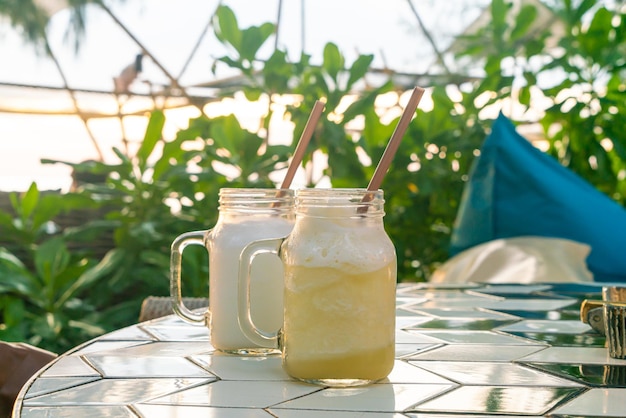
(339, 291)
(245, 215)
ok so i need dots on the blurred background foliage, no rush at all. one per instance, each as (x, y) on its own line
(63, 284)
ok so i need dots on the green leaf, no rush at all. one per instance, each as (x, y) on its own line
(531, 78)
(153, 134)
(6, 220)
(277, 72)
(534, 46)
(145, 232)
(582, 9)
(253, 38)
(90, 231)
(172, 152)
(29, 201)
(14, 311)
(9, 260)
(233, 63)
(227, 133)
(499, 10)
(126, 165)
(51, 258)
(524, 95)
(359, 68)
(108, 264)
(16, 278)
(596, 39)
(226, 27)
(366, 102)
(375, 134)
(523, 22)
(48, 326)
(253, 94)
(50, 205)
(333, 60)
(20, 284)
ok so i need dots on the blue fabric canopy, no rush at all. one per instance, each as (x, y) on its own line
(515, 190)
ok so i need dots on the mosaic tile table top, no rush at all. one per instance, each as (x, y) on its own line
(469, 351)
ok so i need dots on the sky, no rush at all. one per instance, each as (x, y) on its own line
(169, 30)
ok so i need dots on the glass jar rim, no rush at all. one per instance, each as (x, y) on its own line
(248, 199)
(358, 203)
(254, 191)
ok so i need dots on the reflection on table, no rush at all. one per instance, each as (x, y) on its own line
(468, 350)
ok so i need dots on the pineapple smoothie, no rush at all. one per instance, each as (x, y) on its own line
(340, 278)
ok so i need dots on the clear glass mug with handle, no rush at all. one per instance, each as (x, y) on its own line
(339, 291)
(245, 215)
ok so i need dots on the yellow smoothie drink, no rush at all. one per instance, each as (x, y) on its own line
(340, 278)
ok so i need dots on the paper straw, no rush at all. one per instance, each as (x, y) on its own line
(393, 144)
(307, 133)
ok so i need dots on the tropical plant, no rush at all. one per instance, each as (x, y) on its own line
(572, 71)
(584, 124)
(170, 187)
(135, 196)
(422, 188)
(42, 292)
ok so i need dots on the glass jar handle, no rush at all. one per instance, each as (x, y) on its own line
(176, 257)
(254, 334)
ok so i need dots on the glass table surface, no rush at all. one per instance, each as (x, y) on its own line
(474, 350)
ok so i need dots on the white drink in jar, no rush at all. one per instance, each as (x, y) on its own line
(266, 289)
(245, 215)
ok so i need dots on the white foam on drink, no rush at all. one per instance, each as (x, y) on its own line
(336, 240)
